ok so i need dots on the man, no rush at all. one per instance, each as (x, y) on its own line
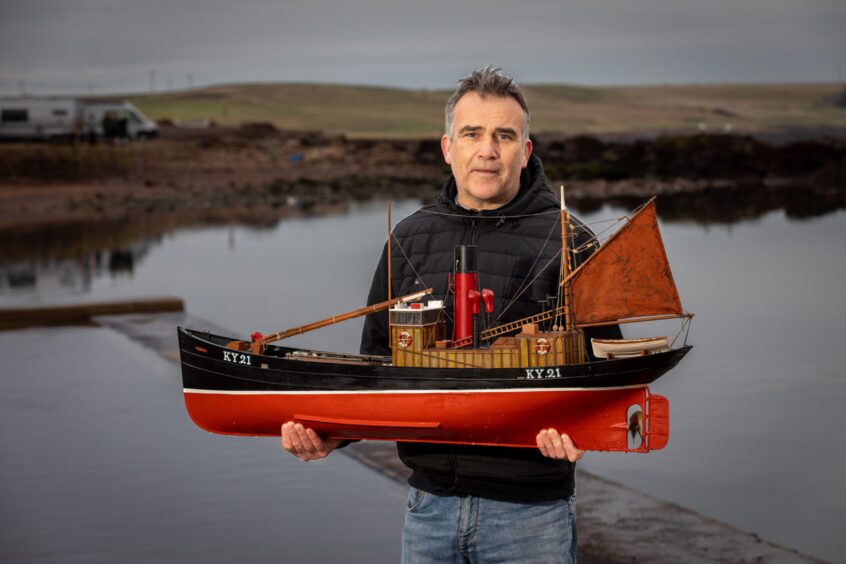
(479, 504)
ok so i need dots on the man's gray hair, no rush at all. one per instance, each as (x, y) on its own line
(487, 81)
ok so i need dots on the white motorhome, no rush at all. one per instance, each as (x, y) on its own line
(39, 118)
(138, 125)
(50, 118)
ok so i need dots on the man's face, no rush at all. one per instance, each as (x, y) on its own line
(486, 150)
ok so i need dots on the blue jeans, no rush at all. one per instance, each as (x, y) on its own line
(448, 529)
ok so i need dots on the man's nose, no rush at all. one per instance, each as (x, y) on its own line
(488, 149)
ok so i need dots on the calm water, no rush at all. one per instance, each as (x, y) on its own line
(757, 408)
(100, 463)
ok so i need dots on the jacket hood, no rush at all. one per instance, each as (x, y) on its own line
(534, 196)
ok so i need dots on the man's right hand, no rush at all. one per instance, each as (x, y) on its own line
(304, 443)
(553, 444)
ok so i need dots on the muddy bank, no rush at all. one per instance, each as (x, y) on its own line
(56, 200)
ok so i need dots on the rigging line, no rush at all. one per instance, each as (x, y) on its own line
(609, 220)
(584, 246)
(616, 221)
(541, 271)
(687, 333)
(407, 260)
(489, 217)
(673, 342)
(620, 220)
(414, 270)
(523, 285)
(518, 216)
(685, 326)
(592, 242)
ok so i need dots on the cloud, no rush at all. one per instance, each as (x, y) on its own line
(115, 44)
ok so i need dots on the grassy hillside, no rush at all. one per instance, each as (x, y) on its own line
(387, 112)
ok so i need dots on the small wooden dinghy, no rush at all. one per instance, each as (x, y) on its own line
(627, 348)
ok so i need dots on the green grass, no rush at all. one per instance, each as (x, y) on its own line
(360, 111)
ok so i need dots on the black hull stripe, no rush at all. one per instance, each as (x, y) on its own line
(210, 372)
(201, 377)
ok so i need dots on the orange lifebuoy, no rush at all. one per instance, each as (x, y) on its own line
(541, 346)
(404, 340)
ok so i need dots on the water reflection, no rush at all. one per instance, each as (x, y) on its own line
(767, 294)
(728, 207)
(102, 464)
(109, 249)
(705, 207)
(54, 280)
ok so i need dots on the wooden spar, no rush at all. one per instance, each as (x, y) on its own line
(337, 318)
(636, 320)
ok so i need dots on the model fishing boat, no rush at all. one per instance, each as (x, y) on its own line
(497, 386)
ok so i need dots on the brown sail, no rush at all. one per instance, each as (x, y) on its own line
(628, 277)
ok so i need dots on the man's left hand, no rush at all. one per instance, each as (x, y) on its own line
(553, 444)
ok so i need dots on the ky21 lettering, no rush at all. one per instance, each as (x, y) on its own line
(237, 358)
(542, 373)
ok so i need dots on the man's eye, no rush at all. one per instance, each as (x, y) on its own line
(505, 137)
(471, 134)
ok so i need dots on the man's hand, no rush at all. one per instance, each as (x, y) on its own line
(552, 444)
(304, 443)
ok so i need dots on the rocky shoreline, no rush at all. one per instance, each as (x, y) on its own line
(52, 197)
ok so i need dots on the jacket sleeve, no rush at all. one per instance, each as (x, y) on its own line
(374, 336)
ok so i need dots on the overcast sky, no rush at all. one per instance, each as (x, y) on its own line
(101, 46)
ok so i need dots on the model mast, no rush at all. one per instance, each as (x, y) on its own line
(565, 268)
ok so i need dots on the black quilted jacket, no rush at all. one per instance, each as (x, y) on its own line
(517, 247)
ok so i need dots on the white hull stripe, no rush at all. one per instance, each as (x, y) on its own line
(416, 392)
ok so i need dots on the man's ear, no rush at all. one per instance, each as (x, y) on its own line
(445, 149)
(528, 152)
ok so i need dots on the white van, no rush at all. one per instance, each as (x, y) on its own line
(138, 126)
(39, 118)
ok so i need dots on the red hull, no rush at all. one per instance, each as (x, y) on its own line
(596, 419)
